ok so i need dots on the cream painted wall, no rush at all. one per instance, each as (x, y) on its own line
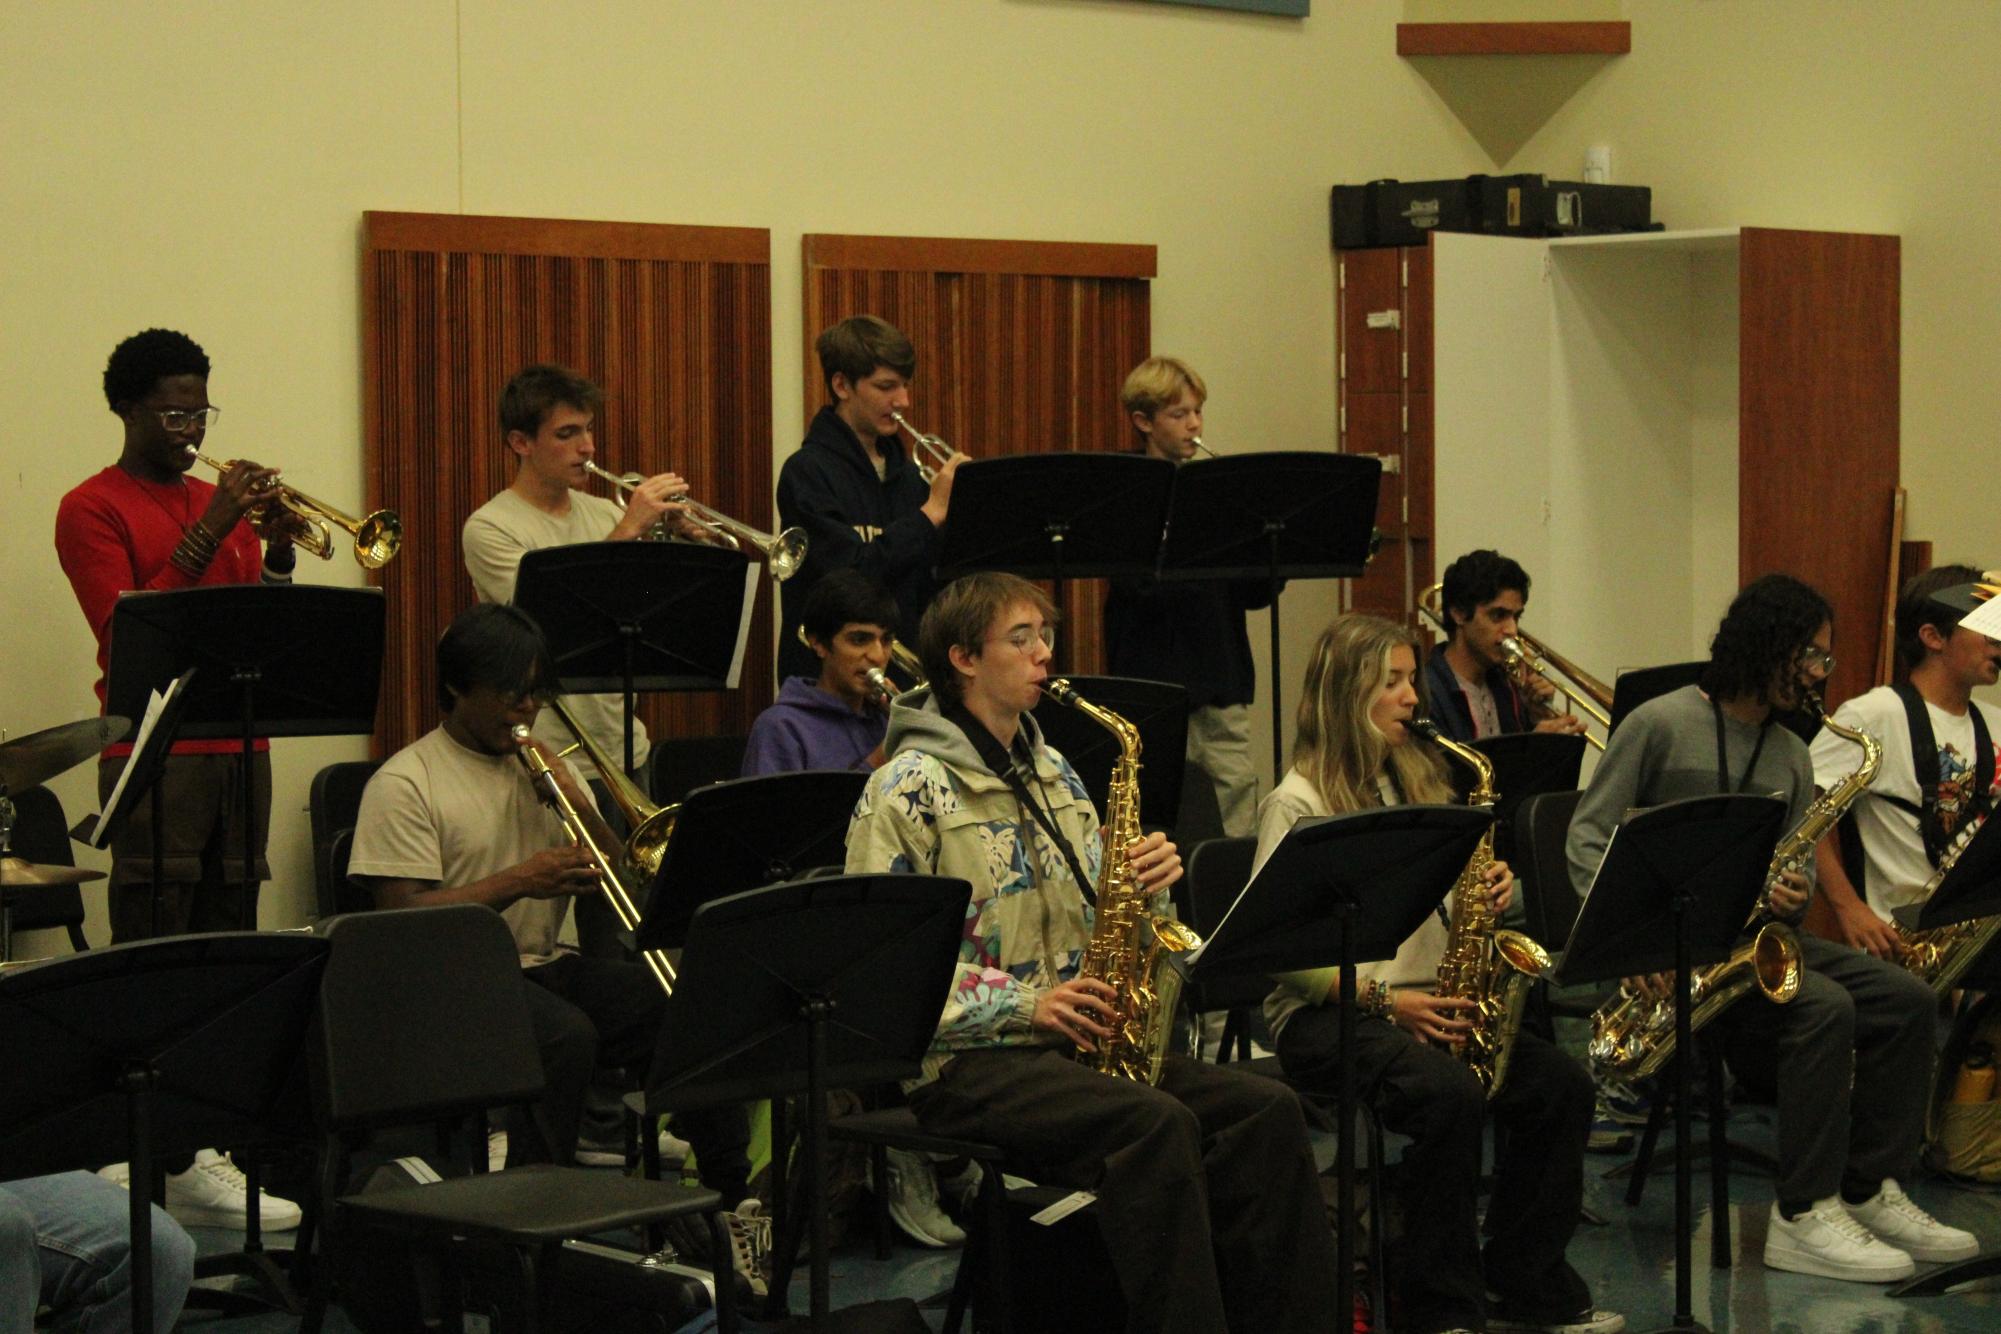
(206, 167)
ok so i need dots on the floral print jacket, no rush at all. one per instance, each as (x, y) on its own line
(936, 809)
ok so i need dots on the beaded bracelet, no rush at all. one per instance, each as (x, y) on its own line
(196, 549)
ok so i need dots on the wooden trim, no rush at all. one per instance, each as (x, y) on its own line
(1514, 39)
(946, 254)
(568, 237)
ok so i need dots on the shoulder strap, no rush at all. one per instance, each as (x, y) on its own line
(1008, 765)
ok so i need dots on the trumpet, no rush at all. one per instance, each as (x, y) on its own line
(928, 452)
(622, 903)
(1528, 656)
(784, 553)
(377, 538)
(901, 656)
(1201, 448)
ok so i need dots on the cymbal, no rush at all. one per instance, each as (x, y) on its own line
(40, 756)
(16, 872)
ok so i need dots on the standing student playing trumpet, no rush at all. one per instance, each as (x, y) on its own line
(546, 415)
(453, 817)
(852, 487)
(144, 524)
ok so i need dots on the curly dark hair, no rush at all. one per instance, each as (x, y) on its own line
(1477, 577)
(1916, 610)
(145, 359)
(1768, 624)
(846, 597)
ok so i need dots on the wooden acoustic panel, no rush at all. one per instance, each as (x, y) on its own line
(673, 322)
(1818, 425)
(1021, 349)
(1614, 38)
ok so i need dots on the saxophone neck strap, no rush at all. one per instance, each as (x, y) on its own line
(1723, 783)
(1924, 766)
(1015, 765)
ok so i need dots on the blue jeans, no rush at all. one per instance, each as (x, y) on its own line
(65, 1243)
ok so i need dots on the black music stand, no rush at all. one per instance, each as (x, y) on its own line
(1159, 709)
(1675, 888)
(1971, 889)
(1056, 517)
(745, 834)
(633, 616)
(141, 778)
(273, 661)
(1634, 688)
(1274, 516)
(1299, 911)
(807, 986)
(155, 1048)
(1527, 764)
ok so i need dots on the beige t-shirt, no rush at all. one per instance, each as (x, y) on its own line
(441, 811)
(496, 537)
(1416, 961)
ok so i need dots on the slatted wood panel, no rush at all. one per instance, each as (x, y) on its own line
(1021, 348)
(673, 322)
(1817, 425)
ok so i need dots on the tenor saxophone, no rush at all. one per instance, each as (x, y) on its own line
(1632, 1034)
(1130, 943)
(1942, 954)
(1483, 964)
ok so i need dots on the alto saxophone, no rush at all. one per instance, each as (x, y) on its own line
(1942, 954)
(1129, 941)
(1490, 967)
(1632, 1034)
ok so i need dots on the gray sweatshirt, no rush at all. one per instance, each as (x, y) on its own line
(1666, 750)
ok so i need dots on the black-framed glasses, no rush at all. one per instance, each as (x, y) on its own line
(1024, 638)
(182, 419)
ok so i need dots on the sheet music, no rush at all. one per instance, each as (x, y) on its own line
(1985, 619)
(100, 833)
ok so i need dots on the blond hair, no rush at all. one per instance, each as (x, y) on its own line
(1157, 382)
(1338, 748)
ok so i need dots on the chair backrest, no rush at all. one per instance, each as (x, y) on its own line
(332, 805)
(347, 895)
(682, 764)
(422, 1018)
(1542, 870)
(1218, 869)
(41, 834)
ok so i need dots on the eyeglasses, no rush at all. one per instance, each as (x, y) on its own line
(1024, 638)
(180, 419)
(1817, 658)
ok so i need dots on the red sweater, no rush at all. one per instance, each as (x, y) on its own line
(114, 534)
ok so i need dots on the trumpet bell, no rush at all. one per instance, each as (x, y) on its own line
(786, 554)
(377, 539)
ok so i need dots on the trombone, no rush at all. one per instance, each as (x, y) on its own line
(615, 892)
(377, 538)
(928, 452)
(785, 552)
(1528, 656)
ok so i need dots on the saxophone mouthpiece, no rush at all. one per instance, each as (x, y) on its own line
(1059, 690)
(1423, 727)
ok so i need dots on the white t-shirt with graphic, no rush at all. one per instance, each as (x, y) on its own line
(1893, 850)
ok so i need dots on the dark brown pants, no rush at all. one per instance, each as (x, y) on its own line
(202, 867)
(1207, 1195)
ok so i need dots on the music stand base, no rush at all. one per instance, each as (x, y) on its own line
(1935, 1283)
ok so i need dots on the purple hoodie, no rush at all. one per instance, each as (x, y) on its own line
(810, 728)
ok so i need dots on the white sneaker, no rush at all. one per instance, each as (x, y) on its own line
(1828, 1241)
(748, 1228)
(1895, 1218)
(913, 1201)
(213, 1193)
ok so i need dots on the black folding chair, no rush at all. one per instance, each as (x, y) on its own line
(332, 805)
(423, 1021)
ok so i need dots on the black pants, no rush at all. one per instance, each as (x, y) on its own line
(1207, 1195)
(1430, 1095)
(590, 1012)
(1849, 1062)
